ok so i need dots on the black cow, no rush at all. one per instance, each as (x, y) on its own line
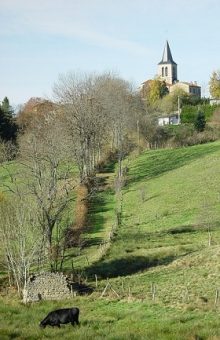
(61, 316)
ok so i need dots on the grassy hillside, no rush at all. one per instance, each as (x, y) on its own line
(170, 231)
(162, 264)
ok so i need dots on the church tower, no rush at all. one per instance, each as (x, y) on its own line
(167, 68)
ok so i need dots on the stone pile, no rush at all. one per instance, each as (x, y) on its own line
(46, 286)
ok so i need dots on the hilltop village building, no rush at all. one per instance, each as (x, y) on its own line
(167, 71)
(167, 68)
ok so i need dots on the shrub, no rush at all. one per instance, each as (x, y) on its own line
(200, 121)
(182, 135)
(189, 112)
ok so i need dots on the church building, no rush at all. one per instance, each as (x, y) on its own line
(167, 71)
(167, 68)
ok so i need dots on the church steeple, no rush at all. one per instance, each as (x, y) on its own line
(167, 55)
(167, 68)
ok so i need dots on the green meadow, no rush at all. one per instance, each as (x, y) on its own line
(109, 319)
(159, 276)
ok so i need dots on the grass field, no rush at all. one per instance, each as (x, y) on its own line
(164, 237)
(107, 319)
(162, 264)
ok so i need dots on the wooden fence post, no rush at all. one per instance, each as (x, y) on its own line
(153, 291)
(216, 297)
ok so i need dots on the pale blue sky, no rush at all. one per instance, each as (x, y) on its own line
(42, 38)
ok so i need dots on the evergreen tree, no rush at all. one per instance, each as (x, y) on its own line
(7, 109)
(8, 126)
(200, 121)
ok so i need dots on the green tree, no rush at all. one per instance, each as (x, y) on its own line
(169, 103)
(6, 107)
(8, 126)
(200, 121)
(214, 84)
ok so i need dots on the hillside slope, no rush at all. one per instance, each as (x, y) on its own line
(163, 262)
(170, 233)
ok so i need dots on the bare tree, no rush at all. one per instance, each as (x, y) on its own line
(21, 240)
(81, 110)
(97, 109)
(7, 151)
(47, 175)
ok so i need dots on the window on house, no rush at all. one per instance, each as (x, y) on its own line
(166, 71)
(162, 71)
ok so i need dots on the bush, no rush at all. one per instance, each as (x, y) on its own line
(200, 121)
(182, 135)
(189, 112)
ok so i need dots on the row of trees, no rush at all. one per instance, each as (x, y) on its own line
(99, 112)
(91, 116)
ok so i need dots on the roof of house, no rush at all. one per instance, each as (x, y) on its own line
(186, 83)
(167, 55)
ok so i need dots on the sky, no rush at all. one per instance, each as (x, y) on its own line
(41, 39)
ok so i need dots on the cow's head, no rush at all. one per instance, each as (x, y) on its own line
(42, 324)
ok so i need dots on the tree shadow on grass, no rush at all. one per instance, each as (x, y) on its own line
(190, 229)
(155, 163)
(127, 266)
(98, 206)
(109, 166)
(182, 230)
(80, 288)
(95, 241)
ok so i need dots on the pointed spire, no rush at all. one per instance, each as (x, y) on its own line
(167, 55)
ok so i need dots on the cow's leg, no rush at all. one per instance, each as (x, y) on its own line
(77, 319)
(56, 325)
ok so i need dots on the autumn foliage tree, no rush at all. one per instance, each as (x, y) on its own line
(33, 111)
(214, 84)
(153, 90)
